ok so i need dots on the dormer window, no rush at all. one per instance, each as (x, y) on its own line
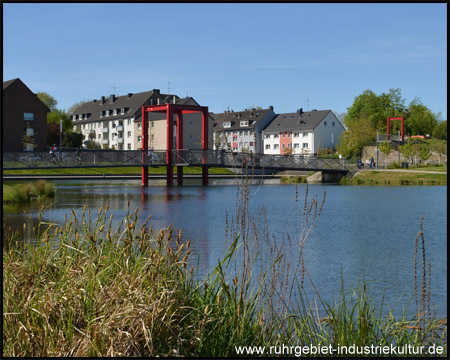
(107, 112)
(115, 112)
(244, 123)
(101, 113)
(122, 111)
(74, 117)
(227, 124)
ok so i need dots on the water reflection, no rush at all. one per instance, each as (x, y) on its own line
(361, 229)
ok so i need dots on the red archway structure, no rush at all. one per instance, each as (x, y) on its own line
(170, 110)
(389, 123)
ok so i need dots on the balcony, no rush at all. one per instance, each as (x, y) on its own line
(105, 130)
(105, 141)
(91, 132)
(120, 140)
(119, 128)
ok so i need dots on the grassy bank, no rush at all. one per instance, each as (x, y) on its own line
(89, 290)
(394, 178)
(132, 170)
(20, 193)
(293, 179)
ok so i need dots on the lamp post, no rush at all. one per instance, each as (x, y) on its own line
(60, 136)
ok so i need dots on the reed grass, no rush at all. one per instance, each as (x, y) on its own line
(88, 289)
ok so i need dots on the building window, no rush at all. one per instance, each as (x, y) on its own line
(99, 136)
(101, 113)
(305, 134)
(276, 136)
(139, 138)
(325, 123)
(30, 131)
(129, 146)
(122, 111)
(28, 116)
(296, 146)
(246, 132)
(139, 126)
(246, 144)
(153, 137)
(289, 135)
(107, 112)
(283, 146)
(129, 122)
(190, 124)
(289, 146)
(74, 117)
(266, 136)
(332, 123)
(84, 126)
(129, 134)
(190, 137)
(282, 135)
(276, 146)
(114, 112)
(296, 135)
(305, 145)
(268, 147)
(153, 124)
(251, 143)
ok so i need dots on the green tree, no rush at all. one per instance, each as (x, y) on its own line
(424, 153)
(407, 150)
(440, 130)
(72, 139)
(420, 120)
(48, 100)
(75, 106)
(385, 147)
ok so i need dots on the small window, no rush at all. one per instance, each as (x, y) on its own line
(99, 136)
(296, 146)
(153, 137)
(122, 111)
(101, 113)
(289, 135)
(305, 145)
(129, 123)
(276, 136)
(190, 137)
(305, 134)
(283, 146)
(107, 112)
(129, 146)
(325, 123)
(139, 126)
(139, 138)
(268, 147)
(114, 112)
(282, 135)
(266, 136)
(251, 143)
(332, 123)
(129, 134)
(190, 124)
(30, 131)
(75, 117)
(296, 135)
(276, 146)
(153, 124)
(289, 146)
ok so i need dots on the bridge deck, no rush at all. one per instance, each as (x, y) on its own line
(208, 158)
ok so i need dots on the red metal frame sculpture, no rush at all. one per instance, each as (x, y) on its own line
(170, 110)
(389, 123)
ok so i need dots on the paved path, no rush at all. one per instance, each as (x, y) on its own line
(406, 170)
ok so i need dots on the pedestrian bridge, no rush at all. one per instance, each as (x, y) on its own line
(202, 158)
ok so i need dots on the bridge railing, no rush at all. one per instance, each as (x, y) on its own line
(123, 158)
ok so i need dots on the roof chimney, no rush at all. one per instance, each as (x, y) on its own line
(156, 91)
(103, 100)
(130, 95)
(174, 100)
(94, 100)
(271, 108)
(112, 98)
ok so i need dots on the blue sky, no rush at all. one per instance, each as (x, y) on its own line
(314, 56)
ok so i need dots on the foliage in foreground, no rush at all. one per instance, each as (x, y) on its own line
(89, 290)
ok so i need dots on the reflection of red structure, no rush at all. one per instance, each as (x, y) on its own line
(388, 125)
(170, 110)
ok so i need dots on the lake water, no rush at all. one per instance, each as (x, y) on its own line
(362, 229)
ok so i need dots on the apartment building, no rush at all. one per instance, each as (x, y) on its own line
(302, 132)
(241, 131)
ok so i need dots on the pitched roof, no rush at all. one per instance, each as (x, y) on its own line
(8, 82)
(296, 121)
(253, 116)
(132, 103)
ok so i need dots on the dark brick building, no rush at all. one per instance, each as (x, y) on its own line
(23, 114)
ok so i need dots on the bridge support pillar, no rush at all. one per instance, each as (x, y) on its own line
(179, 147)
(169, 160)
(144, 177)
(204, 146)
